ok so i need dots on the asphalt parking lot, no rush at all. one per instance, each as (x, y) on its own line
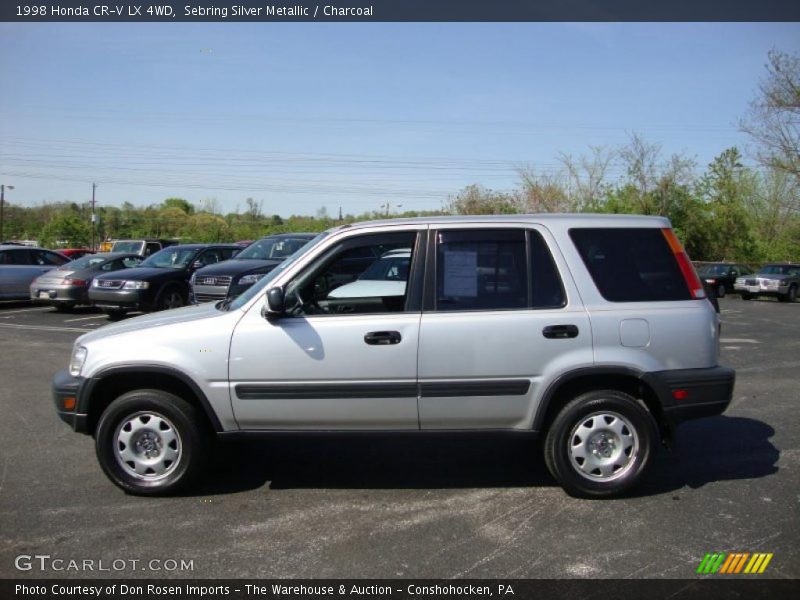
(406, 506)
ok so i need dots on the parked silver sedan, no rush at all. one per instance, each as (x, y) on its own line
(19, 265)
(68, 285)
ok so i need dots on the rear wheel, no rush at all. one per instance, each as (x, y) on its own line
(789, 296)
(746, 296)
(600, 444)
(64, 307)
(150, 442)
(721, 290)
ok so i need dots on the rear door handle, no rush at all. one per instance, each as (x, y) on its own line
(560, 331)
(382, 338)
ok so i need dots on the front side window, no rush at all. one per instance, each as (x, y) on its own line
(368, 274)
(42, 257)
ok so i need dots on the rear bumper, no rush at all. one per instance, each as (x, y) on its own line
(66, 386)
(702, 392)
(59, 294)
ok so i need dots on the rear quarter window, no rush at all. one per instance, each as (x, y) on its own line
(631, 265)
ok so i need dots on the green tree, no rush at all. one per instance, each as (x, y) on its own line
(183, 205)
(65, 230)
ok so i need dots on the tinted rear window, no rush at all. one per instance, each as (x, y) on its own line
(631, 265)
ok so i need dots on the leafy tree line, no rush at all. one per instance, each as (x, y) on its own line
(727, 211)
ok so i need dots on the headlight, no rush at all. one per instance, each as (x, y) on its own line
(95, 283)
(77, 360)
(136, 285)
(711, 281)
(250, 279)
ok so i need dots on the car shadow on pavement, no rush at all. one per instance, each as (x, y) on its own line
(377, 462)
(714, 449)
(707, 450)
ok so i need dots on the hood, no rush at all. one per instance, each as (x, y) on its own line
(773, 276)
(158, 319)
(234, 267)
(144, 274)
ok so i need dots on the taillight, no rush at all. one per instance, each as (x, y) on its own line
(689, 274)
(76, 282)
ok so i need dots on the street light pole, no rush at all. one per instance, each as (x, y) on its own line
(94, 187)
(2, 206)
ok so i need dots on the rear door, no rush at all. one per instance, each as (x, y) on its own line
(18, 268)
(498, 318)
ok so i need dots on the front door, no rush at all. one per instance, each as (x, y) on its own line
(345, 354)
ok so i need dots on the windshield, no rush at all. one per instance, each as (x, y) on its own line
(133, 247)
(775, 270)
(715, 269)
(83, 263)
(263, 283)
(388, 268)
(272, 248)
(170, 258)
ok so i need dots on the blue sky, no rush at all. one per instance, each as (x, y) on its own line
(307, 115)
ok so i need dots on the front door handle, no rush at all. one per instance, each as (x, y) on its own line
(560, 331)
(382, 338)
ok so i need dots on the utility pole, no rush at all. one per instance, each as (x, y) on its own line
(94, 217)
(2, 207)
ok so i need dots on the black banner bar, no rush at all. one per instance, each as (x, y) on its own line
(708, 588)
(399, 10)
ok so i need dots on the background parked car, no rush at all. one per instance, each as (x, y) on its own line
(160, 282)
(141, 247)
(720, 277)
(19, 265)
(68, 285)
(781, 280)
(232, 277)
(74, 253)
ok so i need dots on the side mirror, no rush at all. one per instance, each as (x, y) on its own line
(198, 264)
(275, 303)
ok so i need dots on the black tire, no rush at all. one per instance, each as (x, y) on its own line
(746, 296)
(618, 425)
(152, 421)
(114, 315)
(721, 290)
(171, 297)
(64, 307)
(789, 296)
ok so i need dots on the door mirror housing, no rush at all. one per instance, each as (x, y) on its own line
(276, 304)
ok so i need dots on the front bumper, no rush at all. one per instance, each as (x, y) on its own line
(702, 392)
(120, 299)
(67, 387)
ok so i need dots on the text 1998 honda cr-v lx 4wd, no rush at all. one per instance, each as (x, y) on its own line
(590, 331)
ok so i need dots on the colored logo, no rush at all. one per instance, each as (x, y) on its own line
(734, 562)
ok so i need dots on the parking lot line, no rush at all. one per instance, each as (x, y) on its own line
(8, 312)
(83, 318)
(43, 328)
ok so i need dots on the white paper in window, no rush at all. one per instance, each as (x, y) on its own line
(461, 273)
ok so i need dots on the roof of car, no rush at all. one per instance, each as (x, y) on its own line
(199, 246)
(25, 247)
(290, 235)
(578, 219)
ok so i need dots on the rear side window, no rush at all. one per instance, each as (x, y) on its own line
(481, 270)
(631, 265)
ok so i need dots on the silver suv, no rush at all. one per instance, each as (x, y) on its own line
(590, 331)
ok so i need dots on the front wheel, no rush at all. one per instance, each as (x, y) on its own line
(746, 296)
(150, 442)
(600, 444)
(172, 297)
(789, 296)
